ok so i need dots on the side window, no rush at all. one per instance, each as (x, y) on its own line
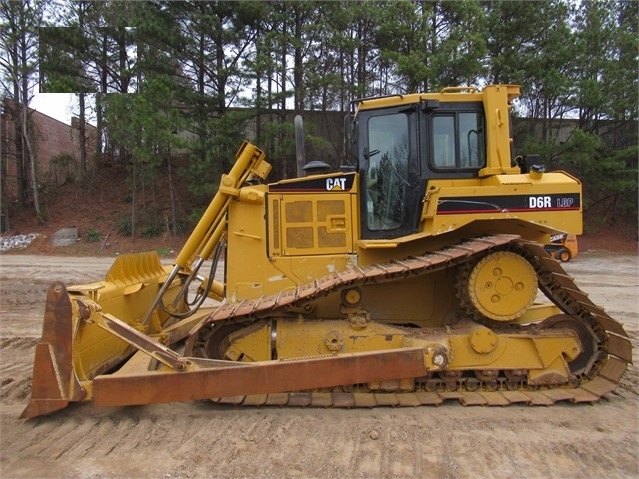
(471, 140)
(458, 141)
(387, 173)
(444, 141)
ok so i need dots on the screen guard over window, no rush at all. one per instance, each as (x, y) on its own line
(387, 172)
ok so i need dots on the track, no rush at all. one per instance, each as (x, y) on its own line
(600, 374)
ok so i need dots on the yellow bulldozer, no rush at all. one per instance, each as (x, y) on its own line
(414, 274)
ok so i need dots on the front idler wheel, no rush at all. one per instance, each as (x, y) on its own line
(582, 364)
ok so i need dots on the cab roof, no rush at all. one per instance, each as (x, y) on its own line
(450, 94)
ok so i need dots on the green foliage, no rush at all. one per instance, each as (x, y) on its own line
(124, 226)
(63, 54)
(610, 177)
(92, 235)
(196, 213)
(213, 153)
(283, 150)
(152, 231)
(606, 46)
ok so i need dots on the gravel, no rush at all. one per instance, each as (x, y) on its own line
(16, 242)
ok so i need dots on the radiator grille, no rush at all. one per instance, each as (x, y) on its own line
(303, 224)
(330, 240)
(299, 212)
(300, 237)
(326, 208)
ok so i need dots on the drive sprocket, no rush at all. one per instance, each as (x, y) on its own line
(501, 286)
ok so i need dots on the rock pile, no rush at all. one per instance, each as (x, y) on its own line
(16, 242)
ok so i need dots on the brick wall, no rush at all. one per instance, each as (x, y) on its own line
(51, 138)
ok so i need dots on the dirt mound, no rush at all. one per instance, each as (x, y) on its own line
(102, 212)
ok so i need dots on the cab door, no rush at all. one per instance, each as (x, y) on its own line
(389, 173)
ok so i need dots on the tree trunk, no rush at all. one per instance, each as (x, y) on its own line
(298, 67)
(82, 139)
(34, 176)
(21, 148)
(24, 61)
(172, 195)
(4, 197)
(134, 193)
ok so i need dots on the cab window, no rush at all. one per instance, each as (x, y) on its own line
(458, 141)
(387, 174)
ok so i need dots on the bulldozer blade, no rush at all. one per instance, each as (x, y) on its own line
(54, 383)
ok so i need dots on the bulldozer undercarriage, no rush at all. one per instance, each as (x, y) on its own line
(497, 353)
(574, 370)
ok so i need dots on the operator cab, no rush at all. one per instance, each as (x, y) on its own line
(399, 146)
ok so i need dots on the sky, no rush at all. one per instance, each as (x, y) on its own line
(60, 106)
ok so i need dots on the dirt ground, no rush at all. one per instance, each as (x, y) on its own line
(199, 439)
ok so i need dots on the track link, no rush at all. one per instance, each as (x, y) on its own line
(606, 366)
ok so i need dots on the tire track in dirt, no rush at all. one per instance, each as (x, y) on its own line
(201, 439)
(15, 377)
(379, 443)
